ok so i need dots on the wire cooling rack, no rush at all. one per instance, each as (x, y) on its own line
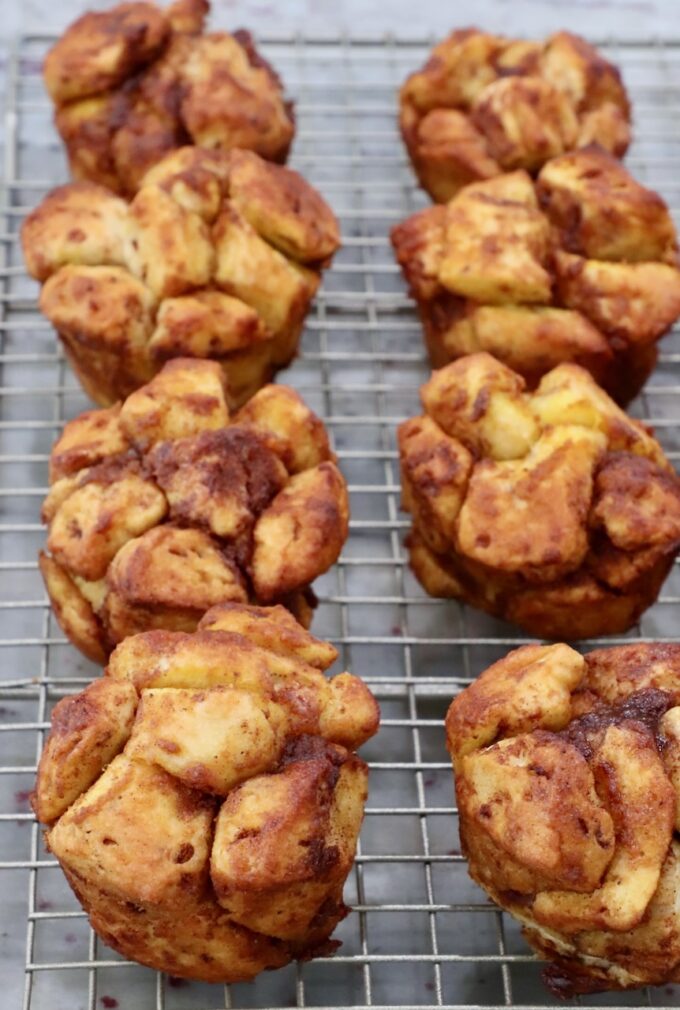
(420, 935)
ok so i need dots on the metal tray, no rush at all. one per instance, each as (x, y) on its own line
(421, 934)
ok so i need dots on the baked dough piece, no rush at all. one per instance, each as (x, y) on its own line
(551, 509)
(580, 265)
(567, 784)
(217, 256)
(484, 104)
(164, 506)
(204, 798)
(132, 83)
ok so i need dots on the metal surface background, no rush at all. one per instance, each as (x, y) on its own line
(421, 934)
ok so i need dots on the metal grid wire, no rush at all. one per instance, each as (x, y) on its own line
(421, 934)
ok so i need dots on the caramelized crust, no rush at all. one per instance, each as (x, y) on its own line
(418, 244)
(289, 215)
(136, 82)
(310, 848)
(550, 509)
(195, 177)
(220, 480)
(342, 709)
(291, 429)
(525, 121)
(187, 16)
(164, 232)
(144, 125)
(435, 470)
(87, 128)
(88, 730)
(218, 256)
(168, 577)
(602, 213)
(554, 482)
(82, 224)
(273, 628)
(136, 807)
(496, 243)
(633, 303)
(231, 100)
(72, 610)
(162, 508)
(106, 509)
(101, 49)
(483, 104)
(186, 398)
(209, 740)
(288, 548)
(88, 439)
(203, 942)
(116, 307)
(578, 266)
(566, 781)
(207, 324)
(451, 151)
(248, 268)
(204, 799)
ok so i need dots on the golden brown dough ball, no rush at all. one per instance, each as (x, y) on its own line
(484, 104)
(204, 798)
(164, 506)
(217, 256)
(135, 82)
(580, 265)
(567, 774)
(551, 509)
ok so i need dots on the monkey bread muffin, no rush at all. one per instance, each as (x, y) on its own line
(568, 785)
(204, 798)
(132, 83)
(581, 265)
(550, 509)
(164, 506)
(484, 104)
(217, 256)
